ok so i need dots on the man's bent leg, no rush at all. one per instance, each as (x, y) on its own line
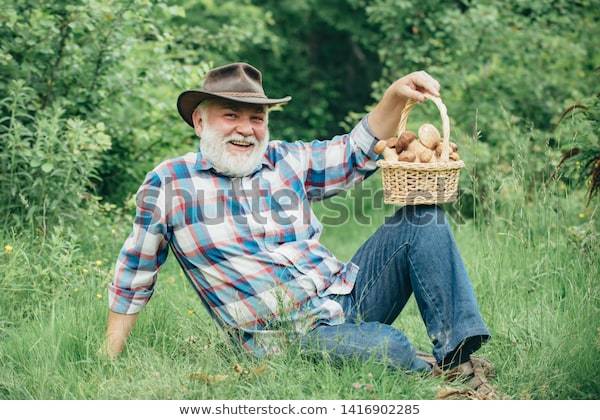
(381, 291)
(384, 277)
(415, 251)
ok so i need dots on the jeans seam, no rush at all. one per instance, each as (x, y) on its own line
(426, 294)
(376, 279)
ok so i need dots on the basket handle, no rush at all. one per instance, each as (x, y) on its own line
(445, 122)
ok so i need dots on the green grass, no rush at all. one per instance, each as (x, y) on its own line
(538, 289)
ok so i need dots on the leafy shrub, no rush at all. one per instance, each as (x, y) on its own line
(581, 149)
(122, 63)
(47, 162)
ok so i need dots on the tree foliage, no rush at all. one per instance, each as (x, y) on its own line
(115, 68)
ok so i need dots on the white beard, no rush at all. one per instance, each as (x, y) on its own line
(213, 146)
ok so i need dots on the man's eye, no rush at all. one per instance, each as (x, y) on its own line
(258, 119)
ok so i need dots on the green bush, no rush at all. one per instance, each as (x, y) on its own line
(579, 131)
(47, 162)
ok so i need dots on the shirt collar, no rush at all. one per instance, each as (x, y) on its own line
(203, 164)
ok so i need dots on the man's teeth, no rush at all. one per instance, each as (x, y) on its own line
(241, 142)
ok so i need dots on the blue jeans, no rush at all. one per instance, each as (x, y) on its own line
(412, 252)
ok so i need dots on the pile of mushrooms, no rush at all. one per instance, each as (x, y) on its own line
(426, 148)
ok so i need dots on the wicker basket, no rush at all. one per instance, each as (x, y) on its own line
(410, 183)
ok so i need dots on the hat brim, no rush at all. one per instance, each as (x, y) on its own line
(190, 99)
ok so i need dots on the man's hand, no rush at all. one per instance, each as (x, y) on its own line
(385, 117)
(414, 86)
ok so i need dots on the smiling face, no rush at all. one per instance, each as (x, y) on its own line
(234, 136)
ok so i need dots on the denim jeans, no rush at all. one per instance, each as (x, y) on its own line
(412, 252)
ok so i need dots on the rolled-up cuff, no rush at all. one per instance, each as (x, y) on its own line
(124, 301)
(364, 138)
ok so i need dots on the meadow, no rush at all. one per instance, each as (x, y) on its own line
(88, 95)
(537, 289)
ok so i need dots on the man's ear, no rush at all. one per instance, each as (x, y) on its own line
(197, 120)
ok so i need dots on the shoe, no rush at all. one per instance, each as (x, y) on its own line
(474, 374)
(488, 368)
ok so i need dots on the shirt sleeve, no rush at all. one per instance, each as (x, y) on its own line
(144, 251)
(332, 166)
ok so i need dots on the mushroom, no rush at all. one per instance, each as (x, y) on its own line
(390, 154)
(391, 142)
(440, 147)
(416, 147)
(425, 156)
(429, 136)
(405, 139)
(407, 156)
(379, 146)
(454, 156)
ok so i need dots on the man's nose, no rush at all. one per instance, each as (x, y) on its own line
(245, 128)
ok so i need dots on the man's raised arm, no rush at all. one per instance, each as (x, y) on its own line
(332, 166)
(384, 118)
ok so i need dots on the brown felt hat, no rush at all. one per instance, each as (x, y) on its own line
(239, 82)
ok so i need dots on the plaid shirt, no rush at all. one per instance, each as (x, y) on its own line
(249, 246)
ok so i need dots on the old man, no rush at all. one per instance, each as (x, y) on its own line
(237, 216)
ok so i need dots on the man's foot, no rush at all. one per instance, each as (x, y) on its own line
(474, 373)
